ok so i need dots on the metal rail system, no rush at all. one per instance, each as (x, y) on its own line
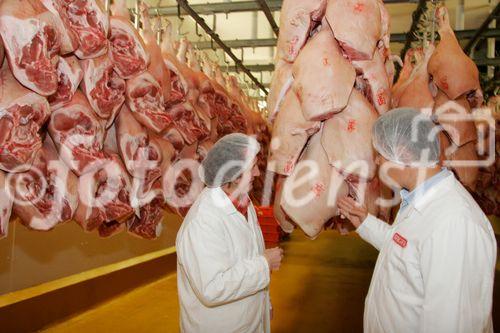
(201, 22)
(482, 29)
(269, 15)
(395, 38)
(233, 7)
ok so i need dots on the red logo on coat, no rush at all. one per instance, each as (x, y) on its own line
(400, 240)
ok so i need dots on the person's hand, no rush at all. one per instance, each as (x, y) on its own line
(274, 257)
(355, 212)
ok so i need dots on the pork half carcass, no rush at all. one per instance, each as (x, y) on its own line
(399, 87)
(455, 118)
(22, 114)
(281, 82)
(462, 161)
(375, 74)
(126, 48)
(31, 43)
(70, 75)
(156, 66)
(310, 194)
(78, 135)
(290, 134)
(297, 19)
(90, 23)
(104, 89)
(451, 70)
(69, 40)
(346, 138)
(357, 25)
(46, 195)
(419, 80)
(142, 157)
(6, 200)
(104, 197)
(147, 224)
(324, 79)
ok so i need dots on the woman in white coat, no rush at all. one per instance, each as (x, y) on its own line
(223, 269)
(436, 265)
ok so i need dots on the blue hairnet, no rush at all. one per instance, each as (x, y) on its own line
(407, 137)
(228, 159)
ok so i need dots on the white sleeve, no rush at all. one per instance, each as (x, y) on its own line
(457, 267)
(374, 231)
(203, 253)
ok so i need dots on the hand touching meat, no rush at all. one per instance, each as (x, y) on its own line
(355, 212)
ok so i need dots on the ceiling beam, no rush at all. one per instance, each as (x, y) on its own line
(232, 7)
(185, 6)
(270, 67)
(479, 32)
(395, 38)
(269, 15)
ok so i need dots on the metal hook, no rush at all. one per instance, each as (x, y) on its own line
(214, 22)
(197, 31)
(242, 54)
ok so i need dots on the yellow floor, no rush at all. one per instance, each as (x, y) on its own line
(320, 288)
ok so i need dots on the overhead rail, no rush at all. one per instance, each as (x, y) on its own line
(482, 29)
(233, 7)
(269, 15)
(395, 38)
(183, 4)
(270, 67)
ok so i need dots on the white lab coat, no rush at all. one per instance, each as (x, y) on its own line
(222, 275)
(436, 266)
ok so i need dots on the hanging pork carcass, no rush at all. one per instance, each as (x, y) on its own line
(451, 70)
(45, 195)
(78, 135)
(22, 115)
(70, 74)
(323, 86)
(126, 47)
(89, 22)
(32, 44)
(104, 89)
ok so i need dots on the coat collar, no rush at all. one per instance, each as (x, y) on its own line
(220, 200)
(422, 201)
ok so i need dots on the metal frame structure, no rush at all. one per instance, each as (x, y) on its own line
(238, 63)
(234, 7)
(269, 15)
(395, 38)
(484, 27)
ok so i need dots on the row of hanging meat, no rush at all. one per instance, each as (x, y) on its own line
(334, 77)
(96, 118)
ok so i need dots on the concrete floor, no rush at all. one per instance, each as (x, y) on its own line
(320, 287)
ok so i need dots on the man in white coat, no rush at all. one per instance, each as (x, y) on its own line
(223, 269)
(436, 265)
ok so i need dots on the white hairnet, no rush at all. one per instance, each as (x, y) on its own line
(408, 137)
(228, 159)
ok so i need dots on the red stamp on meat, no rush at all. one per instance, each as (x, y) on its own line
(380, 97)
(351, 125)
(400, 240)
(444, 83)
(359, 7)
(289, 166)
(291, 49)
(317, 189)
